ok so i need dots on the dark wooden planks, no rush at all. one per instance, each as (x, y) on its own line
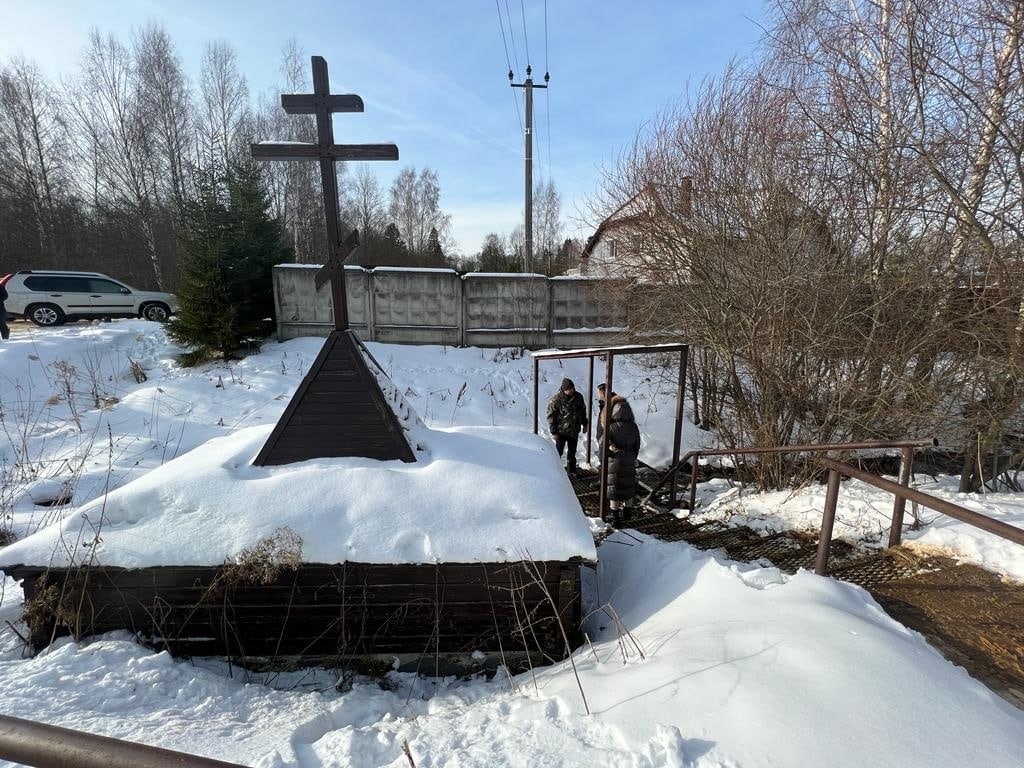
(340, 610)
(338, 410)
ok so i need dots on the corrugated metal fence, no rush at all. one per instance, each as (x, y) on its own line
(440, 306)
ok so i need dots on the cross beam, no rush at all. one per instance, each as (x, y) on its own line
(322, 103)
(304, 151)
(333, 271)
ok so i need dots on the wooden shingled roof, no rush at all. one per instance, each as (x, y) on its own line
(338, 410)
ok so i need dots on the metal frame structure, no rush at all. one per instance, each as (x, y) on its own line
(608, 354)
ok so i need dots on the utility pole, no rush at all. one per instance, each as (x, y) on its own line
(528, 86)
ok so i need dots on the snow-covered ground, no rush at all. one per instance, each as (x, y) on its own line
(692, 661)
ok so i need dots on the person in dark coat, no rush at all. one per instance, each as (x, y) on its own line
(567, 417)
(5, 332)
(616, 423)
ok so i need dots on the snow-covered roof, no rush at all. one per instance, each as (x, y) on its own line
(480, 494)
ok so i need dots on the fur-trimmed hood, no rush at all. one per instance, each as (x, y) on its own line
(620, 409)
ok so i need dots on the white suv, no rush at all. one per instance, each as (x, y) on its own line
(49, 298)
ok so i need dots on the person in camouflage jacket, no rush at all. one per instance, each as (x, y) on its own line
(567, 417)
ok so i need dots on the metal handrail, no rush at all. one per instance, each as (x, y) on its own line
(906, 446)
(902, 493)
(50, 746)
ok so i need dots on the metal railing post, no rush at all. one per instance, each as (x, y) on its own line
(536, 394)
(603, 444)
(590, 411)
(677, 438)
(828, 520)
(899, 505)
(693, 480)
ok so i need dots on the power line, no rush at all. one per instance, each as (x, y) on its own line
(512, 34)
(547, 114)
(526, 39)
(501, 24)
(546, 36)
(547, 94)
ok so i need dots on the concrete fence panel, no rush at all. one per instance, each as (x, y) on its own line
(417, 306)
(440, 306)
(302, 310)
(503, 310)
(584, 312)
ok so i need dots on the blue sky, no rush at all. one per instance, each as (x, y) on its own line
(433, 76)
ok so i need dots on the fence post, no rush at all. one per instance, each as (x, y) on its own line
(590, 411)
(370, 305)
(899, 505)
(603, 444)
(536, 394)
(677, 437)
(828, 520)
(694, 463)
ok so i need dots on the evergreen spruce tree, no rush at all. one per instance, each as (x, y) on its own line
(394, 250)
(434, 256)
(231, 244)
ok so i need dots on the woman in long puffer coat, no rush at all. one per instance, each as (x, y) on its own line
(616, 423)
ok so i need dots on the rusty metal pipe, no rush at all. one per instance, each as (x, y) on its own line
(677, 438)
(808, 448)
(969, 516)
(590, 411)
(828, 521)
(899, 505)
(536, 395)
(603, 444)
(625, 349)
(49, 746)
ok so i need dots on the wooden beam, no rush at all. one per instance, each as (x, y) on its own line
(303, 151)
(308, 103)
(337, 259)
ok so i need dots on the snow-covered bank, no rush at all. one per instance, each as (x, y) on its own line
(742, 667)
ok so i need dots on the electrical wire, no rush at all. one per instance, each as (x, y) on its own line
(504, 42)
(547, 91)
(547, 114)
(546, 70)
(512, 34)
(526, 40)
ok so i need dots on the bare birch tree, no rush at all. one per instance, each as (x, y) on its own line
(114, 136)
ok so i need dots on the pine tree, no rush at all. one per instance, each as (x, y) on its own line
(434, 256)
(231, 244)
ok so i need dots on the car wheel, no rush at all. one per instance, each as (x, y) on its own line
(45, 315)
(158, 313)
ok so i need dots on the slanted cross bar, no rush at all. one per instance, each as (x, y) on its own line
(322, 103)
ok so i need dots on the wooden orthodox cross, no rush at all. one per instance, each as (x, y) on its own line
(323, 104)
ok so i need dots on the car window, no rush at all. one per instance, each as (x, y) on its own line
(40, 283)
(99, 285)
(72, 284)
(57, 284)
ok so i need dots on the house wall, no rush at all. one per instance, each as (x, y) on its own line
(440, 306)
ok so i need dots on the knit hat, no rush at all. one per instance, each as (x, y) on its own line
(567, 384)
